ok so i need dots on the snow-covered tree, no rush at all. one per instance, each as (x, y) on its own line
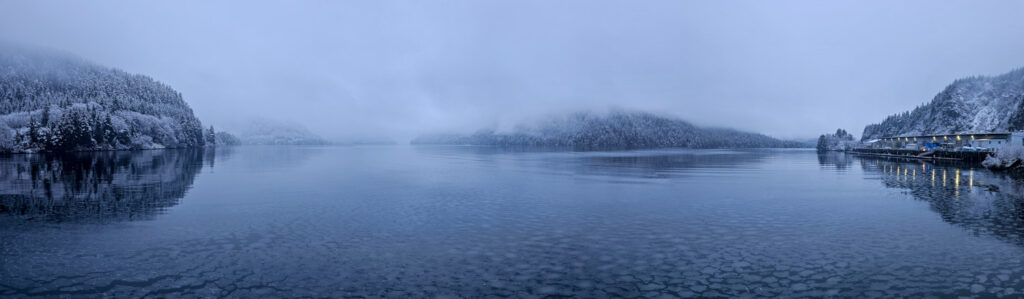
(969, 105)
(7, 138)
(225, 138)
(840, 141)
(211, 137)
(54, 102)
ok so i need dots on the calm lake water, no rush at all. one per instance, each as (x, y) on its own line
(406, 221)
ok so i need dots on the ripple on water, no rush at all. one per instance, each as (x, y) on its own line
(526, 225)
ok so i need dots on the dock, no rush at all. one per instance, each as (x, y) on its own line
(966, 156)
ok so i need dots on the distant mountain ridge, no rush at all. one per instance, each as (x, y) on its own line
(52, 101)
(263, 131)
(615, 130)
(973, 104)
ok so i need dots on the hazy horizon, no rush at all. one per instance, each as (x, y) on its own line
(399, 69)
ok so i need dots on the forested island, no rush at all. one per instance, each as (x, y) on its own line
(56, 102)
(617, 129)
(839, 141)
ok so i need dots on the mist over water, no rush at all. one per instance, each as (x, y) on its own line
(522, 149)
(401, 69)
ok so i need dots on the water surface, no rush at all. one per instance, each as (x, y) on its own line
(403, 221)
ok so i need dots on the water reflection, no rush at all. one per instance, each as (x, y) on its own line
(839, 160)
(657, 164)
(612, 165)
(98, 186)
(399, 222)
(979, 200)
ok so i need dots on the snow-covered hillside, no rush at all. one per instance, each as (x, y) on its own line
(263, 131)
(975, 104)
(225, 138)
(613, 130)
(55, 102)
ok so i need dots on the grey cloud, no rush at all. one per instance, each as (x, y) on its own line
(400, 68)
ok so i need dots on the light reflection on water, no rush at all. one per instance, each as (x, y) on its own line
(400, 221)
(981, 201)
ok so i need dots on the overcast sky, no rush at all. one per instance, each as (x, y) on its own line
(349, 68)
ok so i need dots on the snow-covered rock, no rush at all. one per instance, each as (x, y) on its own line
(1007, 156)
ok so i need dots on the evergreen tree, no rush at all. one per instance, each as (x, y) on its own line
(46, 116)
(64, 103)
(211, 137)
(33, 133)
(107, 127)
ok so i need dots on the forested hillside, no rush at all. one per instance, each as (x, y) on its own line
(265, 131)
(613, 130)
(56, 102)
(969, 105)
